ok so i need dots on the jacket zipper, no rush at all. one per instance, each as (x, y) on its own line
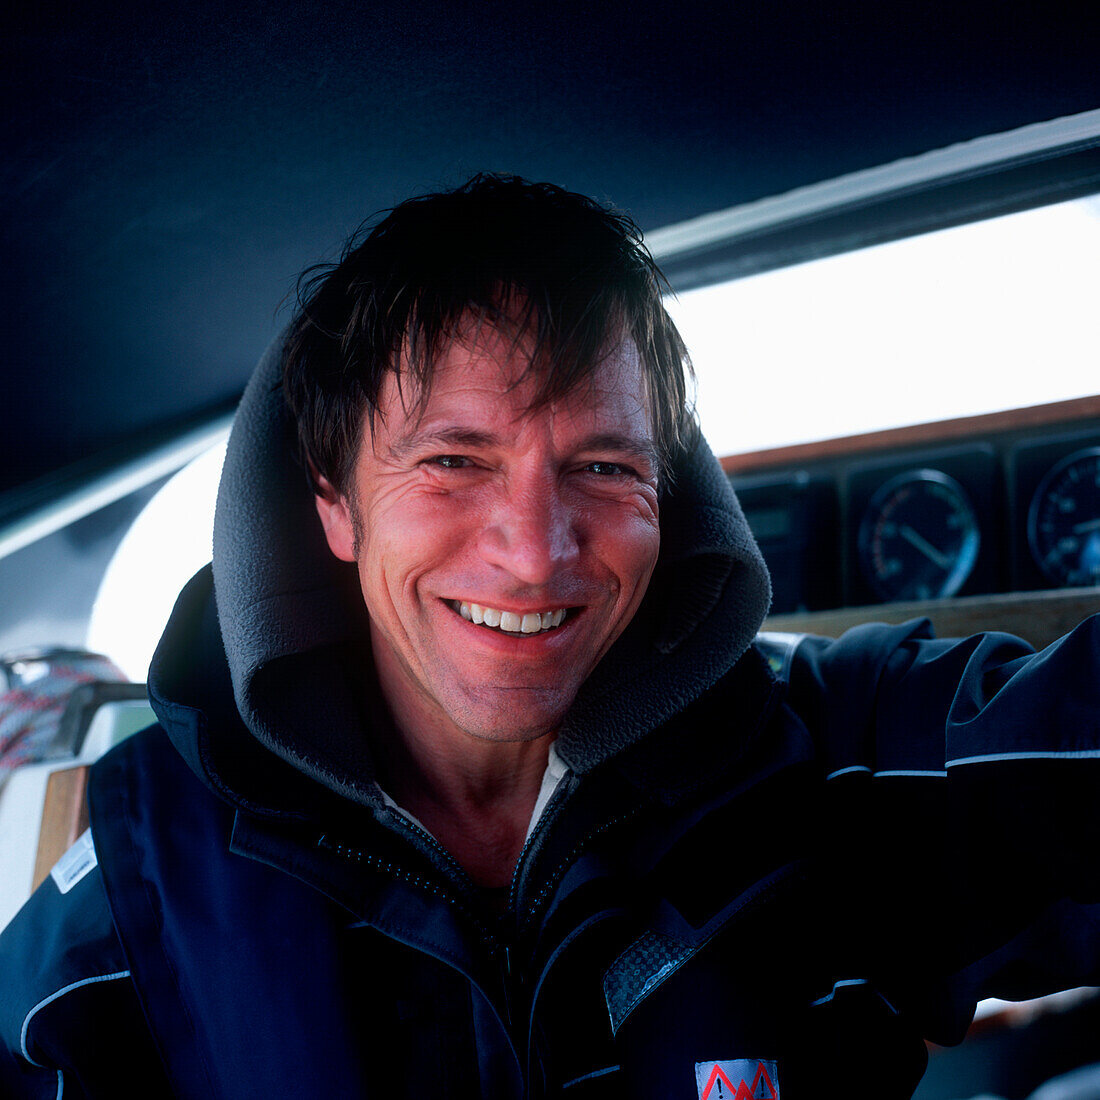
(550, 811)
(385, 866)
(499, 949)
(555, 876)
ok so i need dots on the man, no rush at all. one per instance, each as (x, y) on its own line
(471, 779)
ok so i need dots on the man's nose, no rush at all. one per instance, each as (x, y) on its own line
(532, 534)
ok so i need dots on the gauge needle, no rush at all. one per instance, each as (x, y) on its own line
(915, 539)
(1091, 525)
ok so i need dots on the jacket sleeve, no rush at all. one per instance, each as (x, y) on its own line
(70, 1021)
(962, 804)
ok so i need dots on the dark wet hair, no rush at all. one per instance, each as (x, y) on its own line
(536, 260)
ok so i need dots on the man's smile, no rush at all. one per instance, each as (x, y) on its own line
(510, 622)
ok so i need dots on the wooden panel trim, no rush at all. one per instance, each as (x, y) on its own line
(1039, 617)
(966, 427)
(64, 818)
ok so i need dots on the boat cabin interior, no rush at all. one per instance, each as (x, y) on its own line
(880, 227)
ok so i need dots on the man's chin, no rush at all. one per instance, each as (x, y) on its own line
(510, 716)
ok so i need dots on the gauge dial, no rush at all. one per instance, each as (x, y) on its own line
(1063, 523)
(919, 538)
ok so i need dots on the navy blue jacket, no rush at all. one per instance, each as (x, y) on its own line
(900, 827)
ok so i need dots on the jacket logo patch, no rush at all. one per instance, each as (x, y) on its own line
(75, 863)
(740, 1079)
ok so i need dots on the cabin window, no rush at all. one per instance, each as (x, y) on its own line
(984, 317)
(165, 546)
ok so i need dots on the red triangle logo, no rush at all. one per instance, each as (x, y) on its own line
(720, 1087)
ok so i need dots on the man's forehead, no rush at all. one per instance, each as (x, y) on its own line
(484, 363)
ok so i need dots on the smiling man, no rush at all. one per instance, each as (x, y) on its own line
(473, 776)
(502, 545)
(501, 548)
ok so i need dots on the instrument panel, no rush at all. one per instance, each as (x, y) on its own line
(919, 538)
(1007, 509)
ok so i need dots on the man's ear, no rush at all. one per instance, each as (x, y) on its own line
(335, 515)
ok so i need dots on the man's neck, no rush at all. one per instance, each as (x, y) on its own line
(475, 797)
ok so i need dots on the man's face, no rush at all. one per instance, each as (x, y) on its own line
(500, 550)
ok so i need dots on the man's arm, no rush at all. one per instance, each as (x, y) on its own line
(962, 780)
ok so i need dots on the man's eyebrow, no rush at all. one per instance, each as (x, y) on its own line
(450, 436)
(638, 447)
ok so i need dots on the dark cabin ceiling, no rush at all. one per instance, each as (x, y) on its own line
(170, 168)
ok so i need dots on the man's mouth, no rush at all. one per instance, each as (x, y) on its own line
(510, 622)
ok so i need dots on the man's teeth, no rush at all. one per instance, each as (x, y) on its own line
(531, 623)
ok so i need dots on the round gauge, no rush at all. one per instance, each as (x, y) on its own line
(919, 538)
(1063, 523)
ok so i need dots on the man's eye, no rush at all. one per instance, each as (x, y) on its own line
(607, 469)
(449, 462)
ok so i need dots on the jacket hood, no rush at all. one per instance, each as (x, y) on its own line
(295, 632)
